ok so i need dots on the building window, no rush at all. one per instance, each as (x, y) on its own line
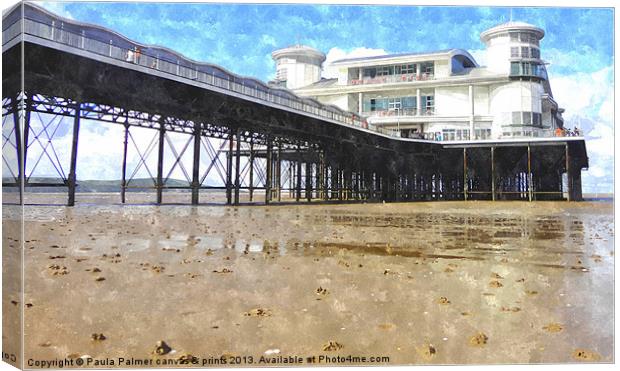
(535, 53)
(394, 104)
(428, 104)
(526, 118)
(409, 102)
(514, 52)
(427, 68)
(448, 134)
(369, 72)
(406, 69)
(385, 70)
(514, 36)
(525, 52)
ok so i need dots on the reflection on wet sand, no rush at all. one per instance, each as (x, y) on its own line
(450, 282)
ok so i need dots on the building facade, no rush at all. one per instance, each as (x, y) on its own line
(441, 95)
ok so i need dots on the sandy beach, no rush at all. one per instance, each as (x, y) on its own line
(419, 283)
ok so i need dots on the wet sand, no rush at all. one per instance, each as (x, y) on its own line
(422, 283)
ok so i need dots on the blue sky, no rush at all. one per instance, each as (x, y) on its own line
(578, 44)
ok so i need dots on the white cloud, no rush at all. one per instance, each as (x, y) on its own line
(586, 94)
(335, 54)
(56, 7)
(589, 102)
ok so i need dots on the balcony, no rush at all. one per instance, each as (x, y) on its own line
(389, 79)
(430, 111)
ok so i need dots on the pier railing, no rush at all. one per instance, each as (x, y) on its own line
(182, 67)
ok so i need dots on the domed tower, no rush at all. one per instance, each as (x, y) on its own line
(513, 49)
(297, 66)
(511, 43)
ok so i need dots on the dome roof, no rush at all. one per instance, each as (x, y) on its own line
(299, 50)
(512, 26)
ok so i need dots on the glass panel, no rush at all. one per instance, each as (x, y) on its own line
(515, 68)
(527, 118)
(409, 102)
(370, 72)
(514, 52)
(427, 68)
(525, 52)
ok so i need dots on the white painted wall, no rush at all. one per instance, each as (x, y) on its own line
(442, 68)
(481, 100)
(299, 74)
(498, 54)
(344, 102)
(452, 101)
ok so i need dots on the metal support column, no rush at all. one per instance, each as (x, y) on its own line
(21, 170)
(465, 173)
(251, 188)
(279, 172)
(229, 168)
(269, 171)
(308, 181)
(493, 173)
(529, 173)
(237, 168)
(298, 178)
(326, 180)
(569, 173)
(196, 164)
(160, 161)
(124, 164)
(74, 148)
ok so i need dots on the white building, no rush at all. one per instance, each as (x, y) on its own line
(441, 95)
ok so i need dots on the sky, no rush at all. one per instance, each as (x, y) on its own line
(578, 46)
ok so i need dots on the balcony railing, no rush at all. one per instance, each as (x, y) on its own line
(393, 79)
(400, 112)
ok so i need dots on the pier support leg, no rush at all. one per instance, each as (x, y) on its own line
(196, 164)
(529, 174)
(251, 188)
(308, 181)
(160, 163)
(19, 147)
(74, 148)
(493, 173)
(569, 174)
(124, 165)
(298, 180)
(465, 173)
(237, 168)
(269, 171)
(229, 165)
(279, 172)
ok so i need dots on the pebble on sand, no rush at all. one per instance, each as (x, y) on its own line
(553, 327)
(161, 348)
(496, 284)
(97, 337)
(332, 346)
(321, 291)
(478, 340)
(258, 312)
(443, 300)
(585, 355)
